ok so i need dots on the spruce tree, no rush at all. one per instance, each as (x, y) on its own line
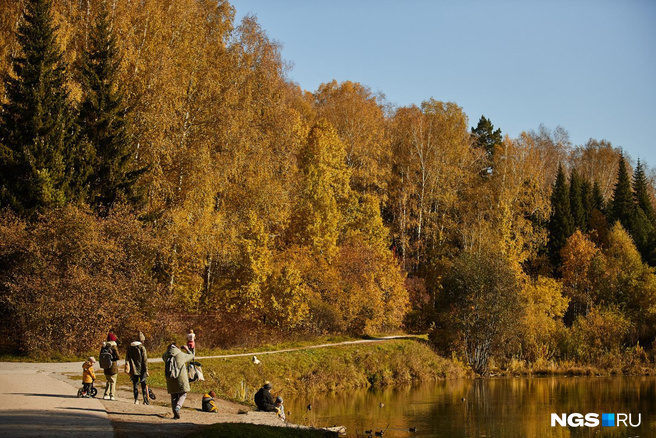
(104, 118)
(561, 224)
(597, 222)
(587, 201)
(576, 200)
(622, 207)
(641, 192)
(598, 198)
(644, 223)
(40, 159)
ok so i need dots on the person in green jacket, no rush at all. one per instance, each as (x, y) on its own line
(177, 379)
(137, 357)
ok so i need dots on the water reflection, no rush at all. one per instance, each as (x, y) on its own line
(516, 407)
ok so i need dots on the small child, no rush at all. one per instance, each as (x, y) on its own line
(280, 408)
(88, 376)
(208, 402)
(191, 341)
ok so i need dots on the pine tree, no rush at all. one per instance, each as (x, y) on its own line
(588, 202)
(643, 224)
(487, 138)
(597, 198)
(597, 222)
(625, 208)
(621, 207)
(561, 224)
(103, 118)
(576, 200)
(641, 193)
(41, 161)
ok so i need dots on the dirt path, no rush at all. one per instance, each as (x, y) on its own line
(155, 420)
(38, 400)
(35, 400)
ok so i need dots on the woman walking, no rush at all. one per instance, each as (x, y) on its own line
(177, 379)
(137, 364)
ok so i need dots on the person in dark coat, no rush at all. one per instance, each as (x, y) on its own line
(137, 357)
(264, 400)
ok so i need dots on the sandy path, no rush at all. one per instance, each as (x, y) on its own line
(35, 402)
(131, 420)
(38, 400)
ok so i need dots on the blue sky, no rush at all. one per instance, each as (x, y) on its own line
(588, 66)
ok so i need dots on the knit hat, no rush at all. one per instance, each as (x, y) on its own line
(279, 399)
(142, 338)
(111, 337)
(267, 385)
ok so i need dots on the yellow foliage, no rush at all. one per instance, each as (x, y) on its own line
(580, 260)
(357, 115)
(600, 333)
(326, 197)
(545, 306)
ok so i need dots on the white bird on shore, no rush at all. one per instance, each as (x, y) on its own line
(256, 361)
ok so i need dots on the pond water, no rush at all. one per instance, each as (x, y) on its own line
(503, 407)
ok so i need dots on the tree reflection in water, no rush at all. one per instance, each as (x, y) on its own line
(504, 407)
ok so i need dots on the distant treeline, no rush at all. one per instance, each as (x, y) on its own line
(158, 171)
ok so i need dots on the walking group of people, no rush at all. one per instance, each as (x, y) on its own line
(136, 365)
(176, 372)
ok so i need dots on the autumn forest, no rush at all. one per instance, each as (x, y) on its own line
(159, 171)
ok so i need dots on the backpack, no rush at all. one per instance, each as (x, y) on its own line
(106, 358)
(195, 372)
(170, 368)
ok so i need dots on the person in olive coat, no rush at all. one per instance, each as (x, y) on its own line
(177, 383)
(137, 357)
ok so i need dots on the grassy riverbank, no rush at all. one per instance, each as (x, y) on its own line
(358, 365)
(324, 369)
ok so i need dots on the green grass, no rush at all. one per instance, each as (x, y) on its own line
(338, 368)
(242, 430)
(322, 370)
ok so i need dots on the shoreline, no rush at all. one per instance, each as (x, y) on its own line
(39, 399)
(57, 403)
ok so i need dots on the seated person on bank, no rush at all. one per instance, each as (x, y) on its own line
(264, 399)
(208, 402)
